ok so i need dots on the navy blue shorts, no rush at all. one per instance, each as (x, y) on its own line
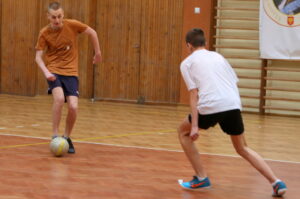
(69, 84)
(231, 122)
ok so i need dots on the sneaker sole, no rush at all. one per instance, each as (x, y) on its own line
(281, 192)
(71, 152)
(180, 181)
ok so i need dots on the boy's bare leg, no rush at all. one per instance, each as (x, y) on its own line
(72, 114)
(58, 102)
(190, 148)
(252, 157)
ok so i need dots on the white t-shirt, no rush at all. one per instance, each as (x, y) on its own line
(215, 80)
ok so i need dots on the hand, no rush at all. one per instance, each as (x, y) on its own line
(194, 133)
(50, 77)
(97, 58)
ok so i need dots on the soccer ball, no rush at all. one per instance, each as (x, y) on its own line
(59, 146)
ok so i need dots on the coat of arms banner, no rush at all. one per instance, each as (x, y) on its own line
(279, 32)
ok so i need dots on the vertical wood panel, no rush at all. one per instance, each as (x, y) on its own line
(161, 50)
(41, 21)
(118, 23)
(0, 44)
(18, 21)
(83, 11)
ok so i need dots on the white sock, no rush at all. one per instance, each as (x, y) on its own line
(273, 184)
(199, 178)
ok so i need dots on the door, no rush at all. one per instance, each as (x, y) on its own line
(141, 44)
(118, 24)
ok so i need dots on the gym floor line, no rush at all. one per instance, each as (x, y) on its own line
(84, 139)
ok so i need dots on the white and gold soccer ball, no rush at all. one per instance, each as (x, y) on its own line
(59, 146)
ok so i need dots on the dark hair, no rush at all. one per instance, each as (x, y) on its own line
(54, 6)
(195, 37)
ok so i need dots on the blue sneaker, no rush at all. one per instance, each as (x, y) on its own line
(279, 189)
(195, 184)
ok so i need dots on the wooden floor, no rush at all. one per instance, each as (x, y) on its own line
(131, 151)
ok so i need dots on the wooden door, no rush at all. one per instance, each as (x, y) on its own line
(161, 51)
(118, 25)
(18, 32)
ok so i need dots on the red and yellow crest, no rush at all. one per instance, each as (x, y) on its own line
(290, 20)
(287, 18)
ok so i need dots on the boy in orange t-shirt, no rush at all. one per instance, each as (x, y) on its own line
(60, 68)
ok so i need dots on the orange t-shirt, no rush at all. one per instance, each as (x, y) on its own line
(61, 56)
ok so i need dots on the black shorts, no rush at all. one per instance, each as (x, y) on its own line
(69, 84)
(231, 121)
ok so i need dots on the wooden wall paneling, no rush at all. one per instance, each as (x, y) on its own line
(83, 11)
(0, 42)
(161, 50)
(41, 83)
(282, 93)
(118, 24)
(18, 21)
(89, 74)
(263, 82)
(211, 40)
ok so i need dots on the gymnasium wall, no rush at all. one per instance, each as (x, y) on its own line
(18, 31)
(143, 44)
(140, 42)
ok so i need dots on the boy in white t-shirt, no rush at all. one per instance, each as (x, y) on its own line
(214, 98)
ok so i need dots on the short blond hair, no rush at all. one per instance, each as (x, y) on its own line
(54, 6)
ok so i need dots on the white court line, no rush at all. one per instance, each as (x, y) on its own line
(146, 148)
(24, 136)
(34, 125)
